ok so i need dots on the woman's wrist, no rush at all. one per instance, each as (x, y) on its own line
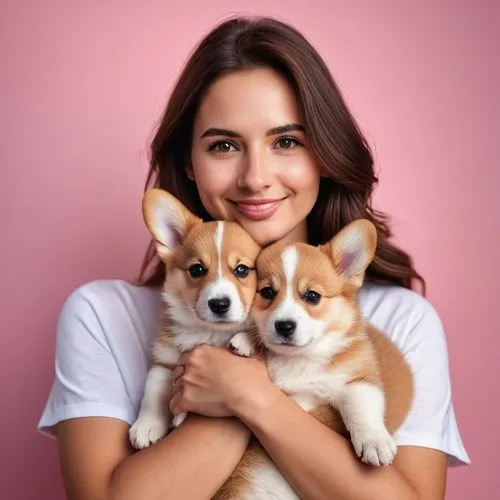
(252, 406)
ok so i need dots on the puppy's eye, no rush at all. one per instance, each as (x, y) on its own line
(241, 271)
(197, 271)
(312, 297)
(267, 293)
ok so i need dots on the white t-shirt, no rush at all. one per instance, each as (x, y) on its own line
(106, 327)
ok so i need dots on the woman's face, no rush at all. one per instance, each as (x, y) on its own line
(250, 158)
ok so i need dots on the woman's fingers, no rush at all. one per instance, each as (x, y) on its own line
(177, 373)
(174, 403)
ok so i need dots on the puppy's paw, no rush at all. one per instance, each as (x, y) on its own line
(178, 419)
(148, 429)
(240, 344)
(374, 446)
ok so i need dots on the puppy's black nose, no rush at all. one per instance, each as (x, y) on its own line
(285, 328)
(219, 306)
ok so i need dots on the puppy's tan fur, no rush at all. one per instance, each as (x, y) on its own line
(187, 318)
(329, 371)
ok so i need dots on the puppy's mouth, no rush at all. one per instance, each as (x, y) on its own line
(285, 346)
(221, 323)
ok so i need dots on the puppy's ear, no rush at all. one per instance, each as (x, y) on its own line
(167, 219)
(352, 249)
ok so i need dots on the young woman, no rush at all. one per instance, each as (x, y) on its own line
(255, 131)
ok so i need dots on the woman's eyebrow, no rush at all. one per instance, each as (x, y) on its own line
(219, 131)
(282, 129)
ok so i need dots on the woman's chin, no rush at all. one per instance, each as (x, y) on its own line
(265, 240)
(267, 234)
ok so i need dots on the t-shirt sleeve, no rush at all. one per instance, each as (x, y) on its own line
(87, 380)
(431, 422)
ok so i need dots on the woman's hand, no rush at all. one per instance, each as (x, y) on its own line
(214, 382)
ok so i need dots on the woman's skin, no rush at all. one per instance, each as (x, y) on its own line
(248, 144)
(263, 155)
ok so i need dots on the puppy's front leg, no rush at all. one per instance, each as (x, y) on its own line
(362, 408)
(154, 418)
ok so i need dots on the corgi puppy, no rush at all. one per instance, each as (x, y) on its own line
(206, 298)
(321, 353)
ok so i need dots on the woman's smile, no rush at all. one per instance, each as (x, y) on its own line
(258, 209)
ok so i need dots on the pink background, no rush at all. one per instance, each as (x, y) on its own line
(81, 87)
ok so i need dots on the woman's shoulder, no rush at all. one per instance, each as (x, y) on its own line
(112, 289)
(102, 350)
(393, 298)
(108, 295)
(113, 305)
(402, 314)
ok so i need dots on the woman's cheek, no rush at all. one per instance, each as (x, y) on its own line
(215, 187)
(303, 172)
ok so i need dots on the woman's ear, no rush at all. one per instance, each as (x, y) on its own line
(190, 173)
(189, 168)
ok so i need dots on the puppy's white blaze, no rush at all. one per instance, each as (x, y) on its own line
(290, 259)
(288, 309)
(219, 235)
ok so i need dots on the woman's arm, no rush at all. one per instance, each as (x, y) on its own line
(320, 464)
(316, 461)
(98, 463)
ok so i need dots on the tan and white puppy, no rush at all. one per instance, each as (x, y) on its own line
(323, 354)
(206, 298)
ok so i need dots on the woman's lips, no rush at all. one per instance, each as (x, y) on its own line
(258, 209)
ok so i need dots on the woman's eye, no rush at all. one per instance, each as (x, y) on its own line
(197, 271)
(312, 297)
(221, 147)
(287, 143)
(267, 293)
(241, 271)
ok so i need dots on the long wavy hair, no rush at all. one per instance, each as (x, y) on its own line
(341, 150)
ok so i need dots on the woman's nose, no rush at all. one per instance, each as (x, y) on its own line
(255, 175)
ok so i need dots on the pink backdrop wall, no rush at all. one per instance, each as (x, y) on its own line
(81, 86)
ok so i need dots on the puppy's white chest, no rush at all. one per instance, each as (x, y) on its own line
(187, 339)
(309, 384)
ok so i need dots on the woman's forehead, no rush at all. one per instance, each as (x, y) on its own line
(256, 100)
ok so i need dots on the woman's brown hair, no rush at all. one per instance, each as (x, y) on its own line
(342, 153)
